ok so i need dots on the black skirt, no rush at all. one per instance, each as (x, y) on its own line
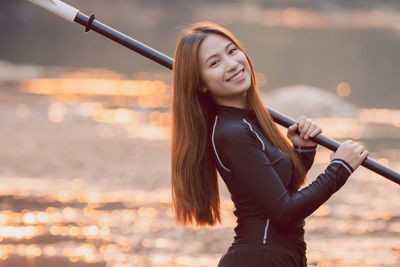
(256, 255)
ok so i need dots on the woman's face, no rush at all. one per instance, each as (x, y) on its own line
(225, 71)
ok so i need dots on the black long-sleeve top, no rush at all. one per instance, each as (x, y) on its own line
(257, 175)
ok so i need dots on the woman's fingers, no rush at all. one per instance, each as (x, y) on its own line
(312, 131)
(360, 148)
(302, 121)
(306, 128)
(364, 154)
(353, 153)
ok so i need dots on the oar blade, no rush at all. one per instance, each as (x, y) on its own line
(58, 7)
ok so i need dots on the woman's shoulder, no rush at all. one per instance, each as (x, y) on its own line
(229, 129)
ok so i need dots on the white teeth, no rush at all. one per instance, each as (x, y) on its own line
(236, 76)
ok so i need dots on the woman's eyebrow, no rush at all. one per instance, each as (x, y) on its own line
(214, 55)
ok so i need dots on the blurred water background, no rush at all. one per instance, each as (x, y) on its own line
(84, 128)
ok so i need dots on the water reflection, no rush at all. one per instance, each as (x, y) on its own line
(145, 93)
(140, 106)
(118, 227)
(130, 227)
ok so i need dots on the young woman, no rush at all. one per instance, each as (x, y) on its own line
(219, 123)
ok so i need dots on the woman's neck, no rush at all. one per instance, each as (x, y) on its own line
(237, 101)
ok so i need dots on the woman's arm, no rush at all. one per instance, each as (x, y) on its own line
(254, 172)
(300, 136)
(306, 155)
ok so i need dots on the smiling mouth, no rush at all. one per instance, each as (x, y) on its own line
(236, 76)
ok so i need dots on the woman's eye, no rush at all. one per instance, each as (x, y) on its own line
(213, 63)
(233, 50)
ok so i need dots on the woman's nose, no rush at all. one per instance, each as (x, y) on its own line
(231, 64)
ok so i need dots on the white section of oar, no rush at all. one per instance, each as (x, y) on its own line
(58, 7)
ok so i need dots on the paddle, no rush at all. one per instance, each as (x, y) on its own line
(72, 14)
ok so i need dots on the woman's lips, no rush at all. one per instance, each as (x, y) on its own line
(236, 76)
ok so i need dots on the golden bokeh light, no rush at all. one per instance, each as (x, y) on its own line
(29, 218)
(73, 231)
(17, 232)
(96, 94)
(33, 251)
(261, 79)
(148, 212)
(343, 89)
(105, 87)
(381, 116)
(56, 112)
(4, 218)
(349, 127)
(323, 210)
(70, 214)
(292, 16)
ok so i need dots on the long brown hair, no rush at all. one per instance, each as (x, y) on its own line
(194, 180)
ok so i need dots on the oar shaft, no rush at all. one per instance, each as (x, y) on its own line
(124, 40)
(334, 145)
(166, 61)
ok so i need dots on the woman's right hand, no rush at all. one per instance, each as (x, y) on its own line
(351, 152)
